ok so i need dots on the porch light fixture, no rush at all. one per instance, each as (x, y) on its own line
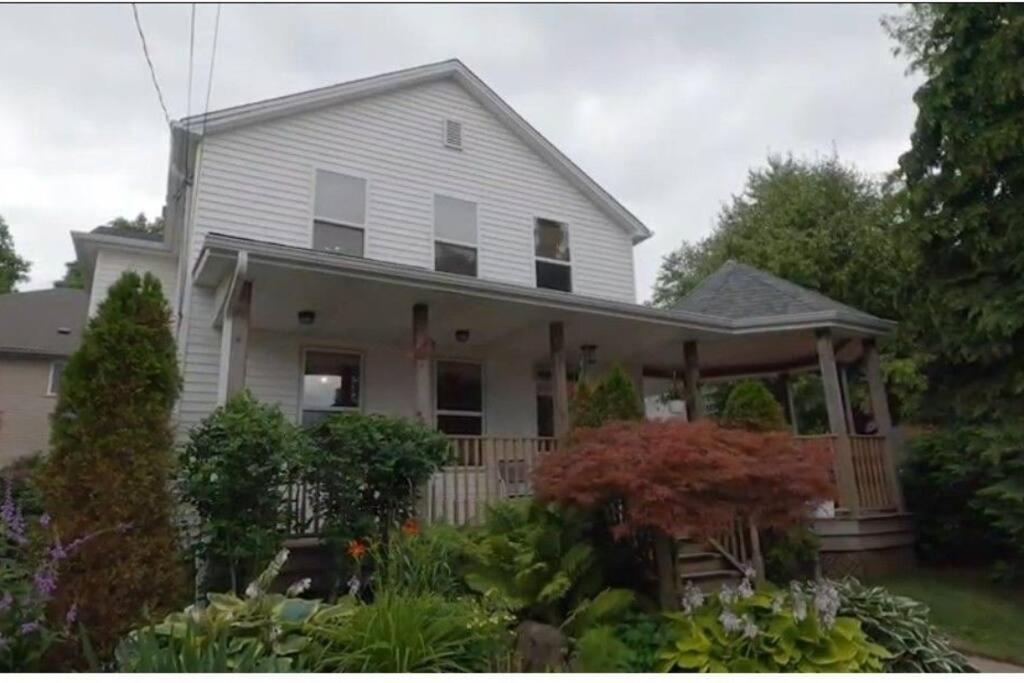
(307, 317)
(462, 336)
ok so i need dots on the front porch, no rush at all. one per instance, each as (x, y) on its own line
(493, 364)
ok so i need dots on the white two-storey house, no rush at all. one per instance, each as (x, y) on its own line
(407, 244)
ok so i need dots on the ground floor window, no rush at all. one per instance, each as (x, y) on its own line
(56, 372)
(331, 383)
(459, 402)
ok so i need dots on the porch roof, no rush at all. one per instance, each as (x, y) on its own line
(220, 253)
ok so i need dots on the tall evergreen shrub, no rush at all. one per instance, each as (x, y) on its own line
(752, 407)
(111, 462)
(611, 398)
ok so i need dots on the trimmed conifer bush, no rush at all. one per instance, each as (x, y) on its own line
(611, 398)
(110, 464)
(752, 407)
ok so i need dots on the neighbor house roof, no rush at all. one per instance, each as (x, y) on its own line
(453, 69)
(48, 322)
(737, 291)
(111, 231)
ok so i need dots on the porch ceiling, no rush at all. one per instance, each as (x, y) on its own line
(364, 303)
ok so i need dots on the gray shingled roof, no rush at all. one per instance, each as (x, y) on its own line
(30, 322)
(130, 234)
(737, 291)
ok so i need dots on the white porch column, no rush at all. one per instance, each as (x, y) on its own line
(794, 419)
(423, 349)
(845, 476)
(883, 419)
(691, 382)
(234, 343)
(559, 381)
(844, 383)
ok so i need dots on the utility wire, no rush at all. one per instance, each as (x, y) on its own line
(209, 80)
(188, 98)
(152, 71)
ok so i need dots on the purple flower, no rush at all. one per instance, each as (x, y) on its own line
(57, 552)
(72, 616)
(45, 580)
(14, 523)
(29, 627)
(44, 520)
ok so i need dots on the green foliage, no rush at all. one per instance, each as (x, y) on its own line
(536, 557)
(752, 407)
(426, 561)
(901, 626)
(233, 472)
(366, 470)
(790, 555)
(22, 474)
(964, 180)
(73, 277)
(785, 221)
(13, 268)
(111, 460)
(645, 636)
(965, 485)
(401, 633)
(746, 631)
(613, 397)
(261, 630)
(600, 650)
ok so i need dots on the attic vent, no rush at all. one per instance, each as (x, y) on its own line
(452, 134)
(63, 330)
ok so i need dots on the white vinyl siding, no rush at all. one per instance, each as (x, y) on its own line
(111, 262)
(256, 182)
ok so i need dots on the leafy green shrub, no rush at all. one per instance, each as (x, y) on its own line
(752, 407)
(600, 650)
(901, 626)
(400, 633)
(233, 472)
(744, 631)
(262, 630)
(611, 398)
(367, 470)
(536, 557)
(22, 473)
(416, 562)
(645, 635)
(790, 555)
(111, 463)
(960, 485)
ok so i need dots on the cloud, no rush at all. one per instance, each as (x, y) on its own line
(666, 106)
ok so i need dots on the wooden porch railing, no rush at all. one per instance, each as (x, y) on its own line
(863, 471)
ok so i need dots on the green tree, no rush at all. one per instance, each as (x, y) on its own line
(13, 268)
(613, 397)
(73, 277)
(111, 461)
(752, 407)
(823, 225)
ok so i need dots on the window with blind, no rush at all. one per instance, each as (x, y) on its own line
(455, 236)
(551, 250)
(339, 213)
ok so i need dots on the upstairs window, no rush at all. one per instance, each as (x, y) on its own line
(460, 398)
(455, 236)
(339, 213)
(551, 249)
(331, 383)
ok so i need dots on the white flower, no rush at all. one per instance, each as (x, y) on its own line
(750, 629)
(299, 587)
(749, 573)
(354, 584)
(777, 603)
(727, 595)
(826, 603)
(745, 590)
(730, 622)
(692, 597)
(376, 495)
(252, 590)
(213, 477)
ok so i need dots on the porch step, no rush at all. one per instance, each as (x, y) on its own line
(690, 563)
(710, 581)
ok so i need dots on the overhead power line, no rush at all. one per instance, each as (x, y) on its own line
(152, 71)
(209, 79)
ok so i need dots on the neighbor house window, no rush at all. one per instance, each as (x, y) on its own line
(339, 213)
(455, 236)
(56, 372)
(331, 383)
(460, 397)
(551, 248)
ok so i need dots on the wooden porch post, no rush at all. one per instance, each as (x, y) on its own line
(845, 476)
(844, 384)
(422, 353)
(559, 381)
(883, 419)
(234, 344)
(691, 382)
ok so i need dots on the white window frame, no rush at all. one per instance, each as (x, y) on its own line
(314, 217)
(53, 371)
(482, 414)
(302, 379)
(457, 243)
(544, 259)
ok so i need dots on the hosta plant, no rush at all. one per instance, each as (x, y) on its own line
(743, 630)
(901, 625)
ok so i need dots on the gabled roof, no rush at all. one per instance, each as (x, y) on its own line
(47, 322)
(266, 110)
(738, 292)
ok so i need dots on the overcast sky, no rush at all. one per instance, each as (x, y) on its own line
(666, 106)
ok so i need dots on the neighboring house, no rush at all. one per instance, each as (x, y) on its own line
(38, 331)
(407, 244)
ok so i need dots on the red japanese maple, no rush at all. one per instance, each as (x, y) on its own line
(690, 479)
